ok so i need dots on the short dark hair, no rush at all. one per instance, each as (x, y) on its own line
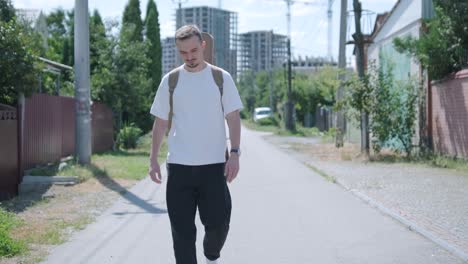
(188, 31)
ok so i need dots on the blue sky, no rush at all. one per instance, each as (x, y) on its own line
(309, 22)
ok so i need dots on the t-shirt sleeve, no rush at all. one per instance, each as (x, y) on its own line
(231, 98)
(160, 107)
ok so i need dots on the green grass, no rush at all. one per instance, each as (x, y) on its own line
(121, 164)
(9, 246)
(281, 131)
(432, 160)
(322, 173)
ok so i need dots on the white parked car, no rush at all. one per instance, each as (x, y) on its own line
(262, 112)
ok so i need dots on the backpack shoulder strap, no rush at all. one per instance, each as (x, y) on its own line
(173, 79)
(218, 78)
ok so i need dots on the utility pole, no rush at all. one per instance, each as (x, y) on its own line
(359, 40)
(289, 120)
(330, 29)
(272, 40)
(82, 83)
(340, 118)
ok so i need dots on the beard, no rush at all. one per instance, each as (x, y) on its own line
(192, 65)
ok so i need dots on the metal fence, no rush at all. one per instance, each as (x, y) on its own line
(48, 134)
(9, 156)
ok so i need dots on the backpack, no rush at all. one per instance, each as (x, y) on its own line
(174, 78)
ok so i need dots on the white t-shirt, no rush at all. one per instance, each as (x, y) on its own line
(198, 133)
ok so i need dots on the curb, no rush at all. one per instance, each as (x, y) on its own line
(410, 224)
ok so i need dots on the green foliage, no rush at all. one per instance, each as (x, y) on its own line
(132, 18)
(128, 136)
(8, 246)
(390, 104)
(132, 70)
(315, 90)
(393, 114)
(443, 48)
(309, 91)
(7, 11)
(270, 121)
(18, 66)
(98, 40)
(154, 50)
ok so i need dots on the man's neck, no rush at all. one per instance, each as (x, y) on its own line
(200, 67)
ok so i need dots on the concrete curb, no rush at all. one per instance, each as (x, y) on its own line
(32, 183)
(410, 224)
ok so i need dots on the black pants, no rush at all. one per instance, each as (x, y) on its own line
(189, 187)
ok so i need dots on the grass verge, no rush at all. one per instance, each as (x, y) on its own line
(281, 131)
(9, 246)
(129, 164)
(28, 224)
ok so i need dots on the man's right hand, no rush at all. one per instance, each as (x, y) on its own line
(155, 173)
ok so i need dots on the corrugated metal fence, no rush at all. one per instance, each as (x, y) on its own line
(48, 135)
(9, 159)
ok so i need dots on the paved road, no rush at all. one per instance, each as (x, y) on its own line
(283, 213)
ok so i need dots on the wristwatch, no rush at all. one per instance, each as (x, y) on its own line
(236, 150)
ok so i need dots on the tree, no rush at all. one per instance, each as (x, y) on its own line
(132, 71)
(442, 49)
(155, 50)
(7, 11)
(132, 19)
(391, 106)
(57, 35)
(98, 39)
(18, 65)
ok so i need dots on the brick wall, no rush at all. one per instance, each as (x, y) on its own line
(450, 115)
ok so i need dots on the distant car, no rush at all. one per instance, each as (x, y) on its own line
(261, 113)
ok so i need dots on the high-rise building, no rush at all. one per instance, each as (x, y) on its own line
(261, 51)
(222, 25)
(28, 15)
(169, 54)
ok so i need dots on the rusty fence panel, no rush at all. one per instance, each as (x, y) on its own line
(42, 130)
(450, 115)
(9, 160)
(49, 129)
(102, 128)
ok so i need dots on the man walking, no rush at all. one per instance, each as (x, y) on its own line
(192, 102)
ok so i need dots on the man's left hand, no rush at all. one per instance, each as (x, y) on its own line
(232, 167)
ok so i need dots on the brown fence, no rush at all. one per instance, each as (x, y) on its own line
(49, 129)
(48, 135)
(450, 115)
(9, 160)
(102, 126)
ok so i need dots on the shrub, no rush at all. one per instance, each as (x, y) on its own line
(128, 136)
(270, 121)
(8, 246)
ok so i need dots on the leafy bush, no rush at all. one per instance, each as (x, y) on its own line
(128, 136)
(270, 121)
(8, 246)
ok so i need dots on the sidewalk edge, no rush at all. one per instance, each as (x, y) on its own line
(411, 225)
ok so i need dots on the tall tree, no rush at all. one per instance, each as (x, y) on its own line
(97, 39)
(7, 12)
(56, 28)
(154, 51)
(132, 19)
(17, 64)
